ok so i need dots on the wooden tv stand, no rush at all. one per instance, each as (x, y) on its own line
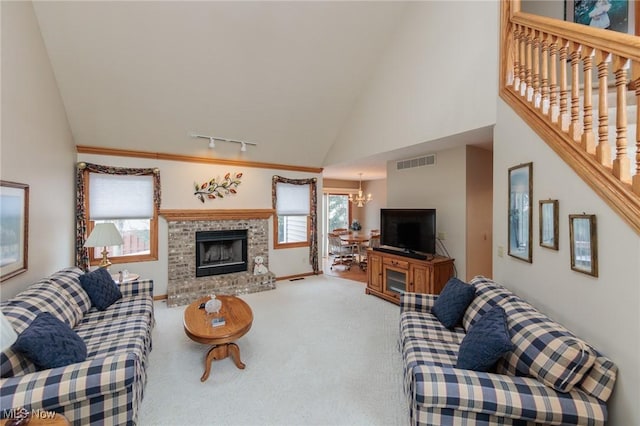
(390, 275)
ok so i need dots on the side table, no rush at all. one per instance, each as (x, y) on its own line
(238, 319)
(130, 277)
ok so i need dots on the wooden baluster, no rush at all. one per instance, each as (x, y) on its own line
(588, 139)
(545, 75)
(621, 164)
(603, 151)
(529, 72)
(564, 93)
(516, 57)
(523, 61)
(536, 68)
(553, 88)
(636, 80)
(575, 128)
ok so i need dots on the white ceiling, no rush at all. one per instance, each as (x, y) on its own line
(375, 167)
(285, 75)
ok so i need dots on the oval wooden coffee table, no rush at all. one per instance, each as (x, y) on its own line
(238, 319)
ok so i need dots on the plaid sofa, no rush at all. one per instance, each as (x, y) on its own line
(550, 378)
(105, 389)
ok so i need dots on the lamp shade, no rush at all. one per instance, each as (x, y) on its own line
(104, 235)
(7, 334)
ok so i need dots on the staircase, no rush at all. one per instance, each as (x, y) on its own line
(571, 84)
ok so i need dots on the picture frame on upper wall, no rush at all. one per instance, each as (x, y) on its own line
(520, 225)
(583, 238)
(615, 15)
(14, 228)
(548, 217)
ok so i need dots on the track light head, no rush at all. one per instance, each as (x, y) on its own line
(213, 139)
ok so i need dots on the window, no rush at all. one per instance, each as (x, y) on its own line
(292, 215)
(128, 202)
(339, 211)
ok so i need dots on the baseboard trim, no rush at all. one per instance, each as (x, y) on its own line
(287, 277)
(306, 274)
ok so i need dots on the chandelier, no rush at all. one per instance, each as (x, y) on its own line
(360, 200)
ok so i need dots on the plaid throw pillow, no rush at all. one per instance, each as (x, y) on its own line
(544, 349)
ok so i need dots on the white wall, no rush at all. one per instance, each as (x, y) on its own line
(371, 211)
(37, 146)
(551, 9)
(177, 182)
(426, 86)
(605, 311)
(442, 187)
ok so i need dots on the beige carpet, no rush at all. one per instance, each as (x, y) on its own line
(320, 352)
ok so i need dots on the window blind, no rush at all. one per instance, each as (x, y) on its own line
(292, 200)
(120, 196)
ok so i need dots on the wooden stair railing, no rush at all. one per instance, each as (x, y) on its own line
(547, 74)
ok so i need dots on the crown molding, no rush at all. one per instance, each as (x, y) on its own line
(84, 149)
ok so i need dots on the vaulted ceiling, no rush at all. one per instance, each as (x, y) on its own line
(145, 75)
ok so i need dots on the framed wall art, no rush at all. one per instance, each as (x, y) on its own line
(548, 213)
(520, 224)
(584, 243)
(615, 15)
(14, 228)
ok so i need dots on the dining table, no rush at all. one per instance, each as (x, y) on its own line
(358, 241)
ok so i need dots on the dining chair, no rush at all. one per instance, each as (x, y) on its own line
(342, 252)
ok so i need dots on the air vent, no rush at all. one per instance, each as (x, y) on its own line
(427, 160)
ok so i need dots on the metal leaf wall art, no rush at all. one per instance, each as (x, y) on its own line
(218, 188)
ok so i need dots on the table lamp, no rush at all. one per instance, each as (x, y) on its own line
(7, 334)
(104, 235)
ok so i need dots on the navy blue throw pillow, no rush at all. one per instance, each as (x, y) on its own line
(486, 341)
(50, 343)
(452, 302)
(101, 288)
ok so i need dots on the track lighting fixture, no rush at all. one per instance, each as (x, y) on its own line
(213, 139)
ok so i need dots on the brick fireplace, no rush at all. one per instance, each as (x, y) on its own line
(183, 286)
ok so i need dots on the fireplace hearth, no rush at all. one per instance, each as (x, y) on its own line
(221, 252)
(183, 286)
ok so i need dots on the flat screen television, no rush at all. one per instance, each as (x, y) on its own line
(411, 230)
